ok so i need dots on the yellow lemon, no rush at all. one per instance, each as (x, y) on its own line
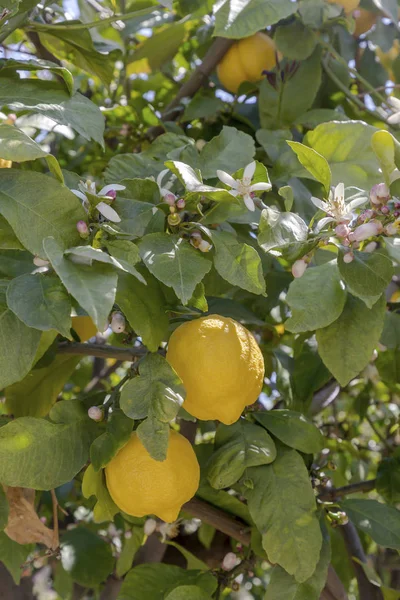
(245, 60)
(140, 485)
(5, 164)
(348, 5)
(365, 19)
(84, 327)
(221, 367)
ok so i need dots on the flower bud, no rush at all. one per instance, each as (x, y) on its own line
(111, 194)
(366, 215)
(40, 262)
(83, 229)
(95, 413)
(170, 199)
(342, 230)
(181, 203)
(174, 220)
(392, 228)
(379, 194)
(150, 526)
(370, 247)
(298, 268)
(385, 209)
(365, 231)
(230, 561)
(204, 246)
(118, 322)
(348, 257)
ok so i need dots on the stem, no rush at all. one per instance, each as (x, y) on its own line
(99, 23)
(128, 354)
(56, 539)
(331, 495)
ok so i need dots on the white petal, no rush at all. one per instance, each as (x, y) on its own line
(79, 194)
(234, 193)
(339, 190)
(226, 178)
(394, 119)
(395, 102)
(260, 186)
(321, 224)
(113, 186)
(108, 212)
(320, 204)
(160, 176)
(249, 170)
(248, 200)
(354, 203)
(394, 175)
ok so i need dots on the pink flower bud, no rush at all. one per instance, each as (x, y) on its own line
(170, 199)
(82, 228)
(365, 231)
(230, 561)
(385, 209)
(181, 203)
(366, 215)
(391, 229)
(298, 268)
(342, 230)
(346, 242)
(95, 413)
(112, 194)
(150, 526)
(118, 322)
(379, 194)
(348, 258)
(370, 247)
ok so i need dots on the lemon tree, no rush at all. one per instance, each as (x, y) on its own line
(199, 300)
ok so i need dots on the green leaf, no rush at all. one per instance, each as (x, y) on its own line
(35, 205)
(316, 164)
(384, 145)
(388, 478)
(295, 40)
(229, 151)
(283, 233)
(157, 391)
(14, 335)
(41, 302)
(378, 520)
(14, 263)
(243, 445)
(93, 484)
(8, 239)
(86, 557)
(291, 534)
(316, 299)
(93, 287)
(309, 375)
(62, 582)
(129, 550)
(368, 274)
(203, 105)
(346, 345)
(157, 580)
(173, 261)
(34, 395)
(146, 190)
(192, 562)
(187, 592)
(239, 264)
(144, 307)
(391, 331)
(105, 447)
(158, 49)
(50, 99)
(347, 148)
(293, 429)
(283, 586)
(91, 254)
(245, 17)
(192, 181)
(40, 454)
(4, 509)
(37, 64)
(280, 106)
(154, 435)
(388, 365)
(17, 146)
(13, 556)
(127, 254)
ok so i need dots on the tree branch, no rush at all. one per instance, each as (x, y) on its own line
(330, 495)
(367, 590)
(128, 354)
(41, 50)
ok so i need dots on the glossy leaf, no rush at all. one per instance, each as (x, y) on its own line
(249, 16)
(368, 274)
(105, 447)
(293, 429)
(378, 520)
(316, 164)
(86, 557)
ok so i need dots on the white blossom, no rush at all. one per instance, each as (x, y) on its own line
(298, 268)
(337, 209)
(106, 192)
(164, 189)
(243, 187)
(394, 118)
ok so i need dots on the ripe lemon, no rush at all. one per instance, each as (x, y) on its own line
(84, 327)
(140, 485)
(365, 19)
(348, 5)
(5, 164)
(221, 367)
(246, 60)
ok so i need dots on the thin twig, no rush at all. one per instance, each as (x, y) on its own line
(128, 354)
(56, 539)
(96, 382)
(333, 494)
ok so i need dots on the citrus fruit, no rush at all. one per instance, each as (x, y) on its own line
(245, 60)
(364, 19)
(348, 5)
(221, 367)
(5, 164)
(84, 327)
(140, 485)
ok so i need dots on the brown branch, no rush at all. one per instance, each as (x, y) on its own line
(333, 494)
(96, 382)
(334, 588)
(56, 539)
(41, 50)
(128, 354)
(367, 590)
